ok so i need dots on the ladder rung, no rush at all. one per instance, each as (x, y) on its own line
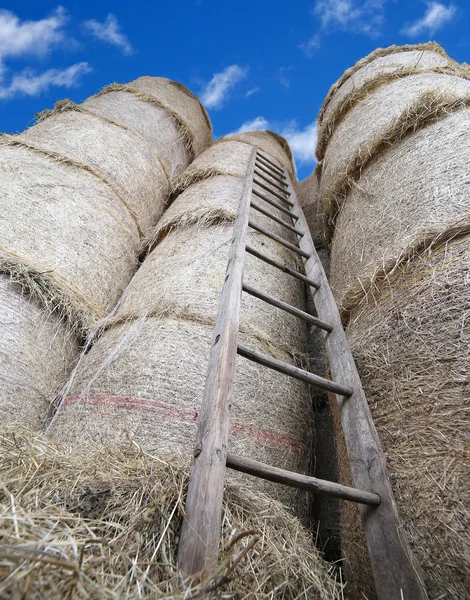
(278, 187)
(269, 161)
(275, 204)
(278, 239)
(265, 187)
(302, 482)
(288, 308)
(287, 369)
(282, 267)
(274, 218)
(274, 176)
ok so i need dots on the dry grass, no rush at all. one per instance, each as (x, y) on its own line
(358, 94)
(429, 108)
(101, 524)
(378, 53)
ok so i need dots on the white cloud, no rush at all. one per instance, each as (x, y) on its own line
(435, 17)
(302, 141)
(253, 125)
(19, 38)
(251, 92)
(30, 84)
(354, 16)
(216, 91)
(109, 31)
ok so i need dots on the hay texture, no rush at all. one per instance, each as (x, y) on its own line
(389, 59)
(399, 264)
(37, 351)
(308, 196)
(144, 378)
(373, 125)
(86, 184)
(104, 524)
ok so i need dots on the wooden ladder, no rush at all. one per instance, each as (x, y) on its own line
(396, 573)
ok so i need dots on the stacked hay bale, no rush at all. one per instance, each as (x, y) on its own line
(144, 378)
(81, 190)
(393, 182)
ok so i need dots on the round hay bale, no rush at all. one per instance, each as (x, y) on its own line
(308, 196)
(116, 155)
(64, 234)
(122, 509)
(379, 53)
(270, 143)
(222, 158)
(37, 351)
(377, 121)
(409, 193)
(412, 349)
(378, 72)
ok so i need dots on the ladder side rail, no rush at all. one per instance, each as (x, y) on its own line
(397, 573)
(201, 529)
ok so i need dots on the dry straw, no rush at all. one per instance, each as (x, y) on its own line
(104, 524)
(412, 348)
(86, 184)
(37, 351)
(144, 377)
(403, 201)
(308, 196)
(392, 60)
(428, 108)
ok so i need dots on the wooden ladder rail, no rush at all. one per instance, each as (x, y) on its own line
(395, 571)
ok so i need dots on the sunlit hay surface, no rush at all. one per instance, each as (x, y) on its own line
(271, 144)
(378, 79)
(411, 341)
(403, 201)
(373, 118)
(386, 58)
(308, 196)
(37, 351)
(101, 524)
(429, 108)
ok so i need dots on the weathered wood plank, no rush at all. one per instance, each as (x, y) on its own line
(302, 482)
(277, 177)
(268, 214)
(263, 156)
(269, 180)
(278, 239)
(286, 211)
(273, 192)
(201, 530)
(396, 572)
(291, 371)
(293, 310)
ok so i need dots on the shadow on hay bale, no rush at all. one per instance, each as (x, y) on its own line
(399, 207)
(104, 524)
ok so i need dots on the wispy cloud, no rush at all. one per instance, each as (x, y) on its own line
(28, 83)
(251, 92)
(19, 38)
(354, 16)
(109, 31)
(435, 17)
(301, 140)
(217, 90)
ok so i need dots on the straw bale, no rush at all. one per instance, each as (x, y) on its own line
(64, 234)
(415, 190)
(412, 349)
(105, 524)
(378, 54)
(308, 196)
(383, 67)
(124, 160)
(37, 351)
(185, 108)
(147, 120)
(428, 108)
(268, 142)
(221, 158)
(372, 119)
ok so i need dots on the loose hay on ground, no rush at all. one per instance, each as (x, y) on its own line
(105, 524)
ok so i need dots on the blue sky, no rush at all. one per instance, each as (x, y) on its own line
(254, 63)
